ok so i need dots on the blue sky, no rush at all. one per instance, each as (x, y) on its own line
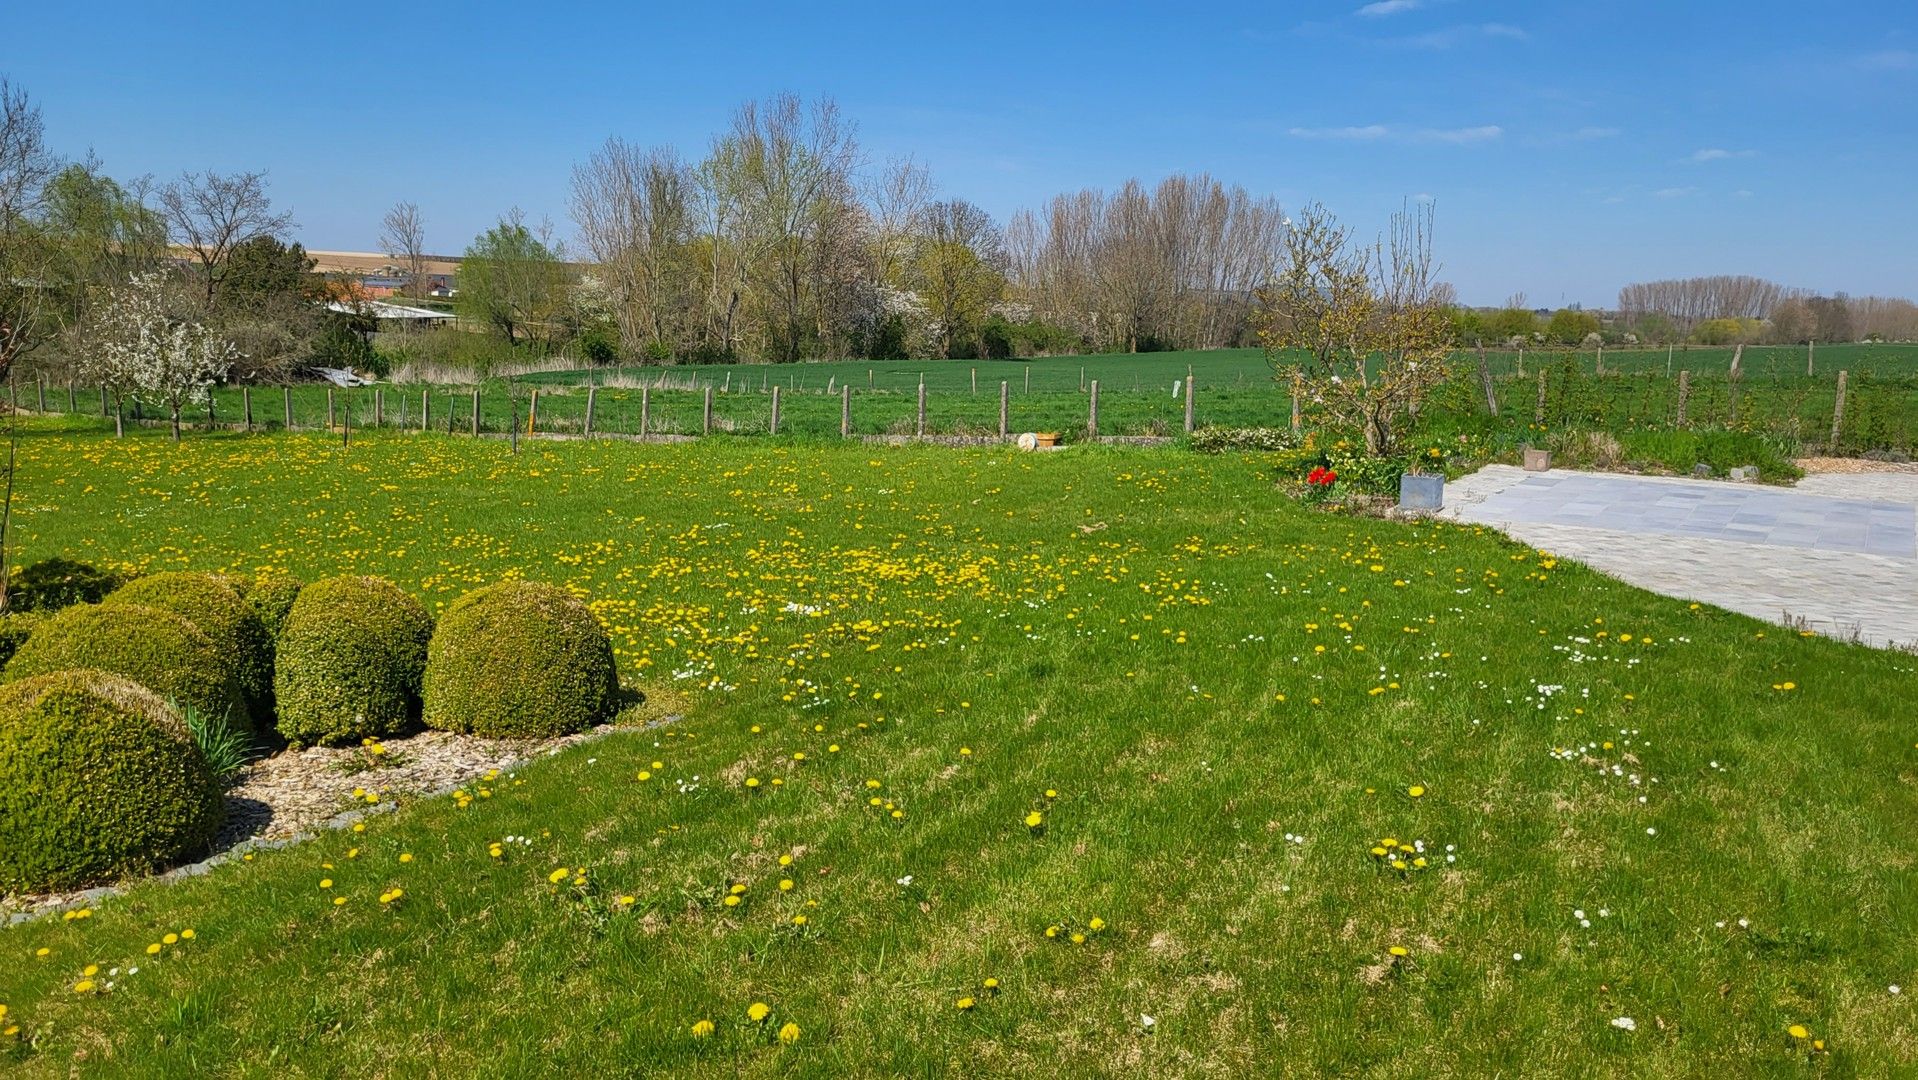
(1569, 147)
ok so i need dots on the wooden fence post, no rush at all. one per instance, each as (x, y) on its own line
(346, 425)
(1189, 394)
(246, 406)
(1005, 407)
(1684, 395)
(1082, 380)
(1092, 411)
(975, 381)
(645, 410)
(103, 400)
(329, 408)
(1296, 380)
(706, 418)
(1811, 353)
(845, 412)
(1028, 388)
(773, 428)
(592, 392)
(72, 405)
(209, 407)
(922, 407)
(426, 408)
(1601, 359)
(1538, 410)
(476, 410)
(1521, 361)
(1838, 411)
(42, 384)
(286, 399)
(1485, 381)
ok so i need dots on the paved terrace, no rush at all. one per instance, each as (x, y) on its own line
(1838, 552)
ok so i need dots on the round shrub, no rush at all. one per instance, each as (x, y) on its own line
(160, 650)
(519, 660)
(271, 597)
(98, 779)
(209, 602)
(349, 660)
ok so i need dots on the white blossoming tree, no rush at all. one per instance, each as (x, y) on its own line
(138, 343)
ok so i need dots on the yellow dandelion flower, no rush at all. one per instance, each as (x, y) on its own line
(790, 1033)
(963, 1004)
(758, 1011)
(1034, 820)
(702, 1029)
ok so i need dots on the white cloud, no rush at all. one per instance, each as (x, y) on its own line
(1485, 133)
(1457, 35)
(1889, 60)
(1376, 132)
(1369, 131)
(1675, 192)
(1382, 8)
(1715, 153)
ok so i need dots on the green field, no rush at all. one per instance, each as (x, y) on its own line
(1219, 703)
(1234, 388)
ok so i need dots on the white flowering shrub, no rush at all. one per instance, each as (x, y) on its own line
(140, 343)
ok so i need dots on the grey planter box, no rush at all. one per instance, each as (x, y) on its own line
(1418, 491)
(1537, 460)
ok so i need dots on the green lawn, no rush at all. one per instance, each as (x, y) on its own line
(1218, 702)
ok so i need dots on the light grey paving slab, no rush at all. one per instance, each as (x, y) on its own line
(1838, 553)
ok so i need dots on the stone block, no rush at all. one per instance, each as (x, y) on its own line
(1420, 491)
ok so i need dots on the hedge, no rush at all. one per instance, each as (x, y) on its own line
(52, 584)
(349, 660)
(271, 598)
(519, 659)
(15, 628)
(98, 779)
(160, 650)
(210, 602)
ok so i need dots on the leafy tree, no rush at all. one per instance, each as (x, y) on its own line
(512, 280)
(1511, 322)
(144, 340)
(1569, 326)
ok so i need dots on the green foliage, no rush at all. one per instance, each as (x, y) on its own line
(216, 608)
(1216, 440)
(266, 269)
(271, 596)
(15, 628)
(98, 779)
(161, 650)
(519, 659)
(510, 280)
(1509, 323)
(598, 345)
(1727, 331)
(1569, 326)
(225, 746)
(349, 660)
(1005, 339)
(51, 584)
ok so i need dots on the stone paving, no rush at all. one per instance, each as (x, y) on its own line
(1837, 554)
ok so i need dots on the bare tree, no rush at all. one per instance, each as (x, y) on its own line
(1358, 327)
(403, 238)
(897, 199)
(634, 210)
(210, 214)
(25, 166)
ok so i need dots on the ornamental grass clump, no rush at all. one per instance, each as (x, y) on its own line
(213, 604)
(98, 779)
(161, 650)
(348, 661)
(520, 659)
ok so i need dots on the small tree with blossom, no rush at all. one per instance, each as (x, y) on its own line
(1362, 331)
(140, 343)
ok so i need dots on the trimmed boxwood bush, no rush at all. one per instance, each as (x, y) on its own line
(98, 779)
(349, 661)
(519, 660)
(158, 649)
(210, 602)
(271, 597)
